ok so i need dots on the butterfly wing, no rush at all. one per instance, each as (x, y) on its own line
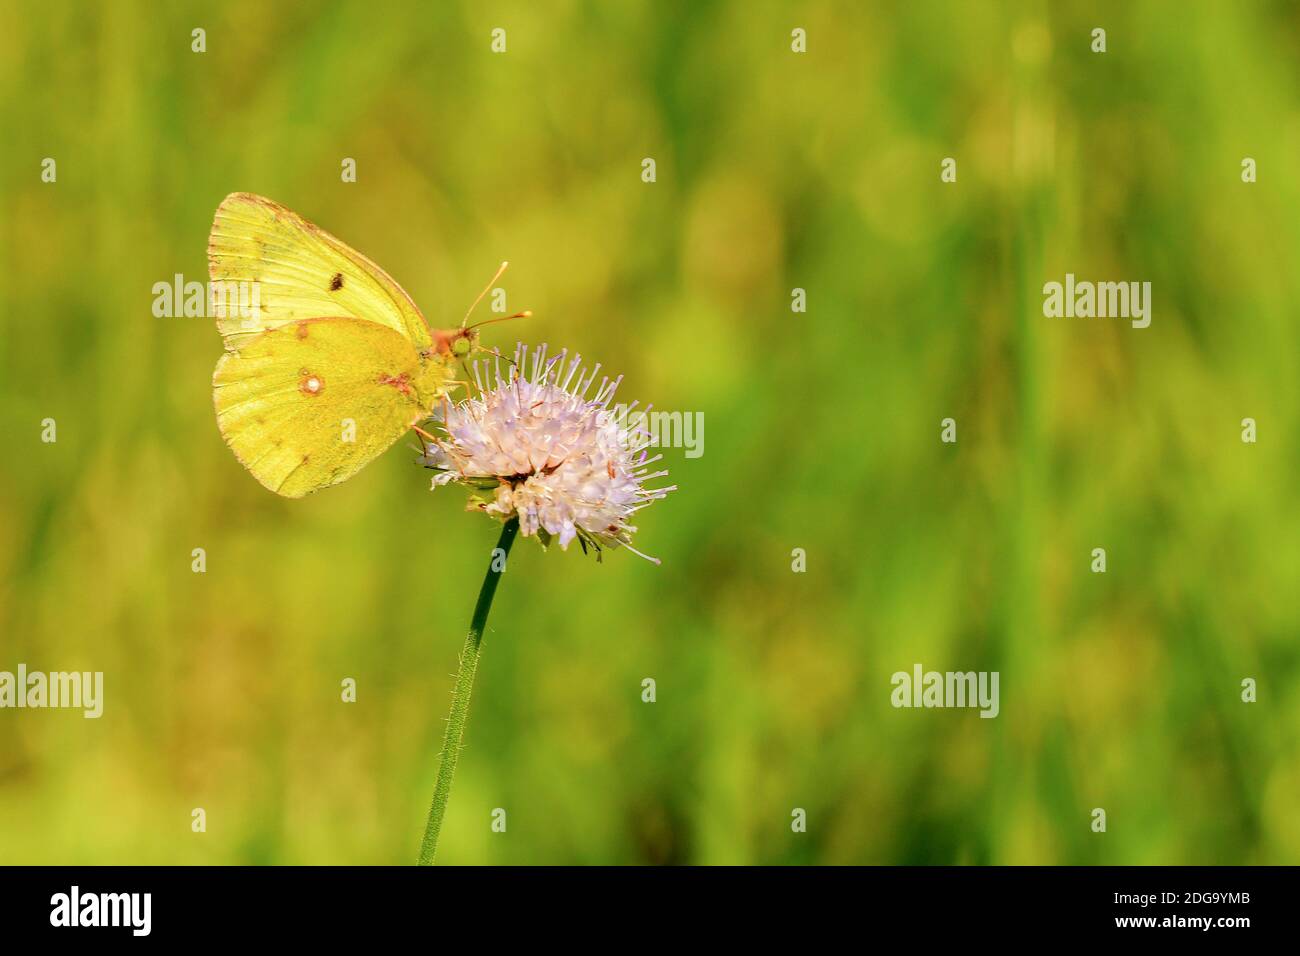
(259, 250)
(307, 405)
(328, 361)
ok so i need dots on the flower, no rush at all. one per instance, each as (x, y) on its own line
(531, 446)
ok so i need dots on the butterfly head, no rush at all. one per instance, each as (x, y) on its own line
(453, 344)
(457, 345)
(464, 342)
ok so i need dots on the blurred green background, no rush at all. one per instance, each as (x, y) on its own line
(775, 170)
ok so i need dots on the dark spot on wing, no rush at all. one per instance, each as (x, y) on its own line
(337, 282)
(302, 330)
(400, 382)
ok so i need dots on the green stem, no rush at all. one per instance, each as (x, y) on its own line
(460, 696)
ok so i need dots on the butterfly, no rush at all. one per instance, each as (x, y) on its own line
(328, 361)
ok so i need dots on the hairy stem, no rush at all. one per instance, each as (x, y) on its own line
(460, 696)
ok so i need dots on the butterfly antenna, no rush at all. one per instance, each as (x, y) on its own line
(483, 293)
(526, 314)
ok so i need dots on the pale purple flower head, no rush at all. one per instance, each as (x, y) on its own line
(532, 444)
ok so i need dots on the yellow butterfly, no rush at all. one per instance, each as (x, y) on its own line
(328, 361)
